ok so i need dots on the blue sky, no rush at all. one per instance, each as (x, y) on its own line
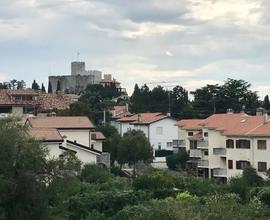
(188, 42)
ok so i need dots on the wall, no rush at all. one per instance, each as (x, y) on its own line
(97, 145)
(124, 127)
(81, 136)
(170, 133)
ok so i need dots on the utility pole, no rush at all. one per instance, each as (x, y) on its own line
(104, 116)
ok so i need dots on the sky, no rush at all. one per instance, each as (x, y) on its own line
(185, 42)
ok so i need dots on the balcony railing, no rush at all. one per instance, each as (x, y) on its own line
(203, 163)
(202, 144)
(179, 143)
(219, 172)
(195, 153)
(219, 152)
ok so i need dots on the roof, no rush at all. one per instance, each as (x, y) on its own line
(190, 124)
(144, 118)
(120, 111)
(97, 136)
(197, 136)
(232, 124)
(45, 134)
(238, 124)
(43, 101)
(51, 101)
(66, 122)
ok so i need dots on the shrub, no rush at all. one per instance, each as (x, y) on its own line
(264, 195)
(95, 174)
(177, 160)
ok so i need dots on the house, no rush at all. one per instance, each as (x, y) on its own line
(28, 101)
(117, 112)
(158, 128)
(222, 145)
(69, 133)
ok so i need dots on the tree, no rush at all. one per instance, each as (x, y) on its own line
(251, 177)
(35, 85)
(92, 173)
(50, 88)
(179, 102)
(58, 87)
(177, 160)
(266, 103)
(43, 88)
(140, 99)
(21, 84)
(13, 83)
(134, 147)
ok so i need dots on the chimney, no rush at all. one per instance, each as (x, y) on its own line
(169, 114)
(265, 118)
(139, 117)
(229, 111)
(260, 111)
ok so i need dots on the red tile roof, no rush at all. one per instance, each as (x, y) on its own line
(229, 124)
(143, 118)
(45, 134)
(190, 124)
(97, 136)
(120, 111)
(67, 122)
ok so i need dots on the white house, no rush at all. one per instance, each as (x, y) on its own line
(222, 145)
(158, 128)
(69, 133)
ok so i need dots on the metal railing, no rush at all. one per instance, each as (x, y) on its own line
(179, 143)
(195, 153)
(203, 163)
(220, 172)
(219, 151)
(202, 144)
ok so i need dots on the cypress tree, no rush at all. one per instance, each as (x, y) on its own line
(50, 88)
(43, 88)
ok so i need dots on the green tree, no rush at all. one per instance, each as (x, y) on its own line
(43, 88)
(35, 85)
(134, 147)
(266, 103)
(50, 88)
(251, 177)
(21, 84)
(95, 174)
(178, 160)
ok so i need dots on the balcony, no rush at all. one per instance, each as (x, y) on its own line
(219, 152)
(203, 144)
(203, 163)
(179, 143)
(195, 153)
(219, 172)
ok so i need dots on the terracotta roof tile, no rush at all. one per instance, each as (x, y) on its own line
(97, 136)
(51, 101)
(75, 122)
(143, 118)
(190, 124)
(45, 134)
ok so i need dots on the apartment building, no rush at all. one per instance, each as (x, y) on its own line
(222, 145)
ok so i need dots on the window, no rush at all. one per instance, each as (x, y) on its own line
(206, 153)
(229, 143)
(205, 134)
(159, 130)
(241, 164)
(190, 133)
(243, 144)
(159, 146)
(262, 166)
(230, 164)
(192, 144)
(261, 144)
(169, 144)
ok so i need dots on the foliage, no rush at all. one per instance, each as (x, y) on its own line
(95, 174)
(50, 88)
(177, 160)
(134, 147)
(266, 103)
(186, 196)
(13, 84)
(35, 85)
(251, 177)
(43, 88)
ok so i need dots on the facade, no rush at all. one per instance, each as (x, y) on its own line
(73, 134)
(158, 128)
(222, 145)
(29, 101)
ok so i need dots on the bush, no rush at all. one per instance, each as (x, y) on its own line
(251, 177)
(177, 160)
(264, 195)
(95, 174)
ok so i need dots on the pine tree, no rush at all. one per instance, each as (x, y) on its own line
(58, 88)
(50, 88)
(43, 88)
(35, 85)
(266, 103)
